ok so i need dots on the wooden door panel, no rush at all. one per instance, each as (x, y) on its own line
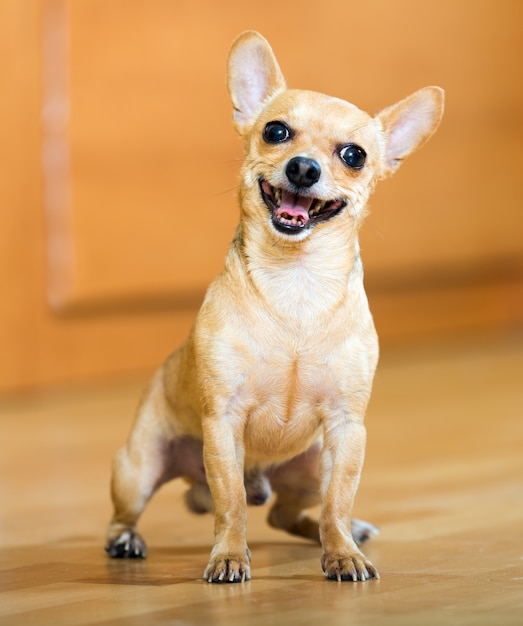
(149, 188)
(153, 160)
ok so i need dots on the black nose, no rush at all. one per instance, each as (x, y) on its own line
(303, 172)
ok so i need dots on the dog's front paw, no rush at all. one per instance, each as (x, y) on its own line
(352, 567)
(228, 568)
(127, 545)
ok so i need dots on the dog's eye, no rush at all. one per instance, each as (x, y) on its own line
(353, 156)
(276, 132)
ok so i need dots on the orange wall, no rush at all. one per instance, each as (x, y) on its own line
(103, 259)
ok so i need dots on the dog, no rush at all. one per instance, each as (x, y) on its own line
(269, 392)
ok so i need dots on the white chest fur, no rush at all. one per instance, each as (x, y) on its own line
(300, 347)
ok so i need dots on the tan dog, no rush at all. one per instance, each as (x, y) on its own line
(270, 389)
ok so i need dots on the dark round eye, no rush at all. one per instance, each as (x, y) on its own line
(353, 156)
(276, 132)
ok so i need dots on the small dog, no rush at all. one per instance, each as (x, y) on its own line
(269, 392)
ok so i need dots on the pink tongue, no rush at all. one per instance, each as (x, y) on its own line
(293, 205)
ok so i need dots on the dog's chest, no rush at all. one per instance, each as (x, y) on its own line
(285, 357)
(287, 393)
(299, 294)
(283, 416)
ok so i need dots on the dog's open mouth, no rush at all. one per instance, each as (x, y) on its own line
(292, 213)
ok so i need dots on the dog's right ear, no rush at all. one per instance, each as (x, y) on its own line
(253, 76)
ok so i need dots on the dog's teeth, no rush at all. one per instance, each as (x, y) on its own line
(277, 195)
(316, 208)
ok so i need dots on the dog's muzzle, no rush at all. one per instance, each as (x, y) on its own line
(292, 213)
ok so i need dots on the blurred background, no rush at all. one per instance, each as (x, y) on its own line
(119, 166)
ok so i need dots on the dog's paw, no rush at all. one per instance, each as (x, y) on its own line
(228, 568)
(198, 499)
(257, 488)
(128, 545)
(362, 531)
(353, 567)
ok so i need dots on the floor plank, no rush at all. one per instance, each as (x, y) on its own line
(443, 479)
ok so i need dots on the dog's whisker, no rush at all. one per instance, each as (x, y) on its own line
(226, 191)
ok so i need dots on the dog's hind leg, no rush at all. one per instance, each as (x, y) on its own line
(153, 455)
(296, 484)
(134, 480)
(257, 490)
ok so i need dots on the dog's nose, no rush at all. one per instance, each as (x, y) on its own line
(303, 172)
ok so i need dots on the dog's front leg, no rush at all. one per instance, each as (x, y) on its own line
(224, 459)
(341, 463)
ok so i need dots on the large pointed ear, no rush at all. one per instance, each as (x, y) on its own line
(253, 77)
(409, 124)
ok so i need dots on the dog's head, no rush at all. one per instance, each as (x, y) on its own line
(310, 158)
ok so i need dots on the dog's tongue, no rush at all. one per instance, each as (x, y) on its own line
(294, 206)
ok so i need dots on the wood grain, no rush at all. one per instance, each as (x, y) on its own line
(443, 479)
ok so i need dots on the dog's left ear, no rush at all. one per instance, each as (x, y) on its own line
(253, 76)
(408, 124)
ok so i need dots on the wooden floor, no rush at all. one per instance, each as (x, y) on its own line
(443, 479)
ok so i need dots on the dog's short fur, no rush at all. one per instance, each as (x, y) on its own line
(269, 392)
